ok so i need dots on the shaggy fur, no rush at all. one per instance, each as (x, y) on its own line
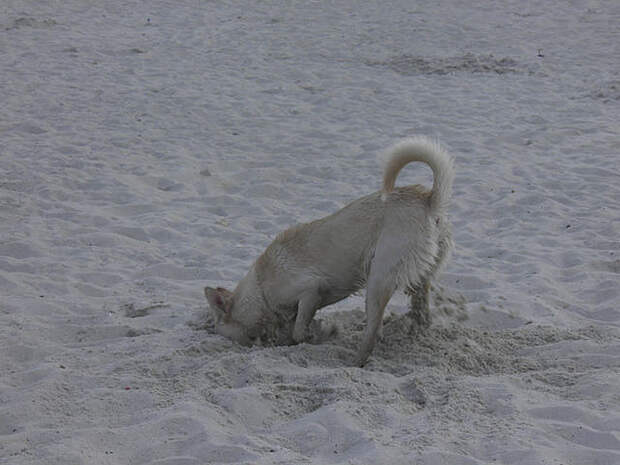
(396, 238)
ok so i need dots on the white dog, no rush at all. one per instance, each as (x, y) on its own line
(391, 239)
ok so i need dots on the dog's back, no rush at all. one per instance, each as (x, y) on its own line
(334, 253)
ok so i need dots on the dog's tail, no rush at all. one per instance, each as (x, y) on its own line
(427, 151)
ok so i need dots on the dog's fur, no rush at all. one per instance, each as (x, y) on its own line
(394, 238)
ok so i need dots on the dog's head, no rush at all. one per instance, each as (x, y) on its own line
(222, 301)
(238, 315)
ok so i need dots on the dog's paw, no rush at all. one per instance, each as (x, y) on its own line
(360, 361)
(321, 332)
(300, 334)
(362, 356)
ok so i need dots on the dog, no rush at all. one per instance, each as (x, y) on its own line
(396, 238)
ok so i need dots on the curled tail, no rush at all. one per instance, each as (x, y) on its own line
(427, 151)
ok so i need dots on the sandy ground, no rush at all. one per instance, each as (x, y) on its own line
(148, 149)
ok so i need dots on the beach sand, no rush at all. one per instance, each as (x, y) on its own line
(149, 149)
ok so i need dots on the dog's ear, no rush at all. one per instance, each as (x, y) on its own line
(220, 300)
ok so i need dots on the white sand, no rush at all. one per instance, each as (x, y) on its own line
(148, 149)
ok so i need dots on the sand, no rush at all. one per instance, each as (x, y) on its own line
(148, 149)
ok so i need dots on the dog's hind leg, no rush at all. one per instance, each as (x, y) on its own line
(379, 290)
(378, 294)
(306, 308)
(419, 308)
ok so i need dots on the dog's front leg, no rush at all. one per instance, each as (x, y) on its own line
(307, 307)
